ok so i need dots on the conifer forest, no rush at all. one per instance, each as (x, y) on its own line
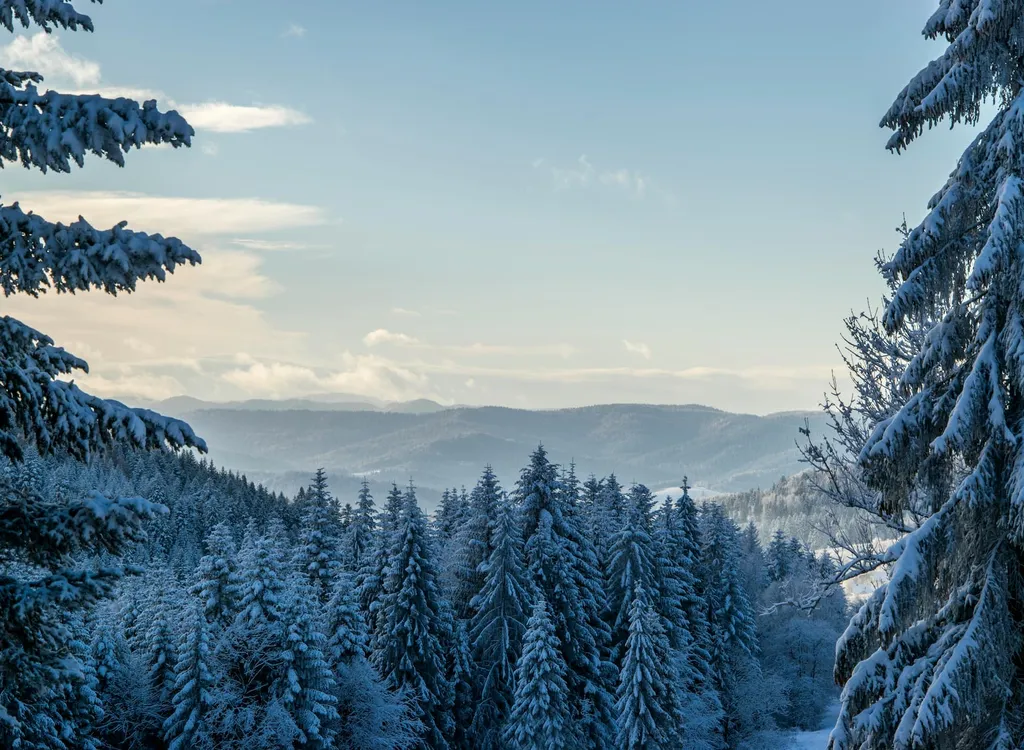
(152, 598)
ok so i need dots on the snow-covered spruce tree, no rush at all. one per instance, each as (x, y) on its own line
(160, 644)
(450, 514)
(107, 652)
(733, 636)
(261, 598)
(608, 513)
(631, 566)
(496, 631)
(540, 718)
(318, 555)
(195, 681)
(473, 543)
(50, 131)
(408, 649)
(373, 717)
(361, 530)
(307, 687)
(933, 658)
(370, 579)
(218, 582)
(345, 628)
(563, 570)
(460, 677)
(645, 709)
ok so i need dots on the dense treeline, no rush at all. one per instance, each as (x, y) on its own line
(558, 614)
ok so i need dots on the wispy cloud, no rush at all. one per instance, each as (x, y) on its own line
(584, 174)
(637, 347)
(186, 217)
(363, 375)
(221, 117)
(268, 245)
(295, 30)
(384, 336)
(403, 311)
(44, 54)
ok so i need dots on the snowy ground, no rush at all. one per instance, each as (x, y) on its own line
(816, 740)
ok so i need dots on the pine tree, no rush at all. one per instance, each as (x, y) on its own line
(473, 543)
(632, 564)
(319, 552)
(540, 718)
(219, 582)
(932, 659)
(346, 630)
(729, 611)
(370, 580)
(106, 654)
(499, 622)
(161, 638)
(563, 570)
(447, 520)
(195, 681)
(308, 684)
(408, 649)
(261, 599)
(609, 514)
(460, 677)
(686, 541)
(362, 528)
(646, 715)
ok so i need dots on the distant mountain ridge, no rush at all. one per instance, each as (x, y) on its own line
(325, 402)
(281, 443)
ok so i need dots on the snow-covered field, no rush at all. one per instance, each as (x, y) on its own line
(817, 740)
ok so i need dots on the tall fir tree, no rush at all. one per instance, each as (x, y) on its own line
(540, 718)
(318, 555)
(648, 717)
(409, 650)
(460, 679)
(189, 726)
(261, 598)
(501, 611)
(473, 543)
(161, 637)
(933, 658)
(632, 564)
(218, 580)
(729, 611)
(563, 570)
(370, 580)
(307, 687)
(345, 628)
(362, 529)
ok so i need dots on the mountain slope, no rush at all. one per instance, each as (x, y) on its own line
(656, 445)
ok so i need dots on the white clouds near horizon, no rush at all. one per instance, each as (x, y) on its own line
(171, 215)
(43, 53)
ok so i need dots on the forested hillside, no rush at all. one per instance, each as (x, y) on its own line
(558, 613)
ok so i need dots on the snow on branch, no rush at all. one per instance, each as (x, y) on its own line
(46, 533)
(45, 13)
(36, 254)
(57, 414)
(50, 130)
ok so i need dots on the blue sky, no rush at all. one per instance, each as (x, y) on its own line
(509, 203)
